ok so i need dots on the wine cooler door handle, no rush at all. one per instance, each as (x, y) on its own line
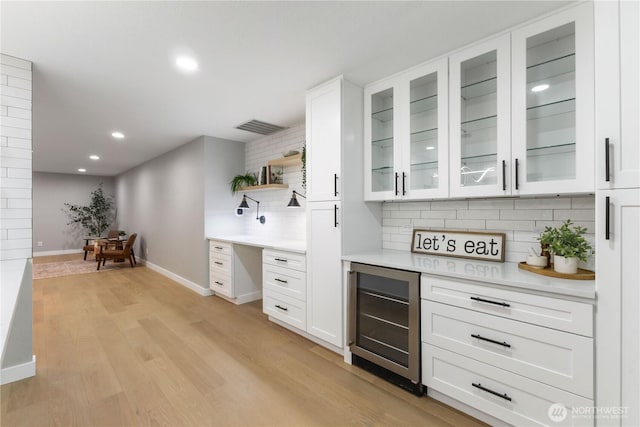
(607, 170)
(504, 175)
(607, 218)
(352, 304)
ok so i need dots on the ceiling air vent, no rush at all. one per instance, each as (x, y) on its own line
(262, 128)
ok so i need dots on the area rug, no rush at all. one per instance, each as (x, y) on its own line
(67, 268)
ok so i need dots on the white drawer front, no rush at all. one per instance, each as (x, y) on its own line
(216, 246)
(454, 375)
(284, 308)
(285, 259)
(285, 281)
(221, 284)
(554, 313)
(556, 358)
(221, 263)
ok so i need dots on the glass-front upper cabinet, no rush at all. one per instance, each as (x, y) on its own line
(480, 119)
(406, 135)
(553, 104)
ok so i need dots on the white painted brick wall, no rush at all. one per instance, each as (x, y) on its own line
(522, 220)
(15, 158)
(282, 222)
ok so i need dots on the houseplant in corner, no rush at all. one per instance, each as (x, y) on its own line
(567, 245)
(94, 218)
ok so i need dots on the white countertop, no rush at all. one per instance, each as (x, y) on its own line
(11, 272)
(264, 242)
(495, 273)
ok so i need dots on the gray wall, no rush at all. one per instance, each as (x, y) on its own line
(163, 200)
(50, 192)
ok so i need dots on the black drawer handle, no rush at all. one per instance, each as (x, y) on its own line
(218, 247)
(335, 185)
(607, 218)
(280, 259)
(495, 393)
(335, 216)
(217, 262)
(282, 308)
(280, 280)
(607, 171)
(218, 283)
(504, 344)
(503, 304)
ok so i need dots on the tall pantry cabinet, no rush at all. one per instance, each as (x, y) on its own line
(618, 210)
(338, 220)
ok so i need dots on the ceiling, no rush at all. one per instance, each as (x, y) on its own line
(106, 66)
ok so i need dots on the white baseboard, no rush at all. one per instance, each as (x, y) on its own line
(18, 372)
(307, 336)
(60, 252)
(252, 296)
(482, 416)
(205, 292)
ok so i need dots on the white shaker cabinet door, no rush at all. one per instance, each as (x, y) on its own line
(324, 272)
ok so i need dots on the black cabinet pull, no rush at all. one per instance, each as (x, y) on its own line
(280, 259)
(282, 308)
(495, 393)
(404, 177)
(504, 344)
(218, 283)
(280, 280)
(504, 180)
(335, 216)
(335, 185)
(607, 218)
(517, 167)
(217, 262)
(503, 304)
(607, 171)
(396, 184)
(218, 247)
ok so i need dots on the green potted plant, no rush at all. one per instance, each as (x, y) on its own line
(567, 245)
(94, 218)
(240, 181)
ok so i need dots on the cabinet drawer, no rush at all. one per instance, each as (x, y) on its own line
(285, 281)
(285, 259)
(221, 284)
(551, 312)
(216, 246)
(284, 308)
(530, 401)
(220, 262)
(556, 358)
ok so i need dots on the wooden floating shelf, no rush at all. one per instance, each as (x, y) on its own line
(265, 187)
(582, 274)
(286, 161)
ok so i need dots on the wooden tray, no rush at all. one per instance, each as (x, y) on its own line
(582, 274)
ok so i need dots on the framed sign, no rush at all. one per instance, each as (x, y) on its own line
(461, 244)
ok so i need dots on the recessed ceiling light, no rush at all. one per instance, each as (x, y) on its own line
(82, 170)
(117, 135)
(186, 63)
(430, 147)
(539, 88)
(94, 157)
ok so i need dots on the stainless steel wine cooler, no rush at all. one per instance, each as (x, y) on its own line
(384, 323)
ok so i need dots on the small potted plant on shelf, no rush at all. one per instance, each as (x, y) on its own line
(567, 245)
(240, 181)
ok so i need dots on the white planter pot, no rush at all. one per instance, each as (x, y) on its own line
(565, 265)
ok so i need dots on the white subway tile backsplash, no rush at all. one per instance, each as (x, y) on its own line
(24, 144)
(574, 214)
(15, 62)
(19, 173)
(14, 193)
(8, 224)
(478, 214)
(4, 203)
(15, 92)
(4, 111)
(398, 222)
(16, 183)
(17, 153)
(4, 141)
(13, 162)
(428, 223)
(19, 233)
(3, 80)
(14, 132)
(11, 101)
(532, 214)
(491, 204)
(583, 203)
(15, 213)
(439, 214)
(546, 203)
(18, 203)
(15, 254)
(405, 214)
(449, 204)
(16, 244)
(8, 70)
(19, 83)
(18, 112)
(511, 225)
(464, 224)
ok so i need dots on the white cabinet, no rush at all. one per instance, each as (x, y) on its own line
(522, 110)
(618, 321)
(480, 119)
(510, 354)
(406, 135)
(338, 219)
(325, 305)
(617, 94)
(235, 271)
(284, 287)
(552, 66)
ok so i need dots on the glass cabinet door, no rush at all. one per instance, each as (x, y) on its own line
(550, 92)
(480, 119)
(382, 141)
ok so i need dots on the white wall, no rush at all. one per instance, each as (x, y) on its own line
(282, 222)
(15, 158)
(521, 220)
(50, 192)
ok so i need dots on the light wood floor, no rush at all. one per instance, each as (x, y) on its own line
(131, 347)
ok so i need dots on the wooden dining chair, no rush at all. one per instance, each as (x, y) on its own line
(125, 253)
